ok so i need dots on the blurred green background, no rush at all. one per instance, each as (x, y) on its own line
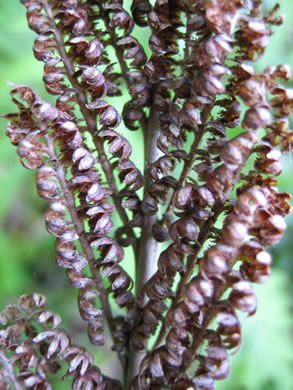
(27, 262)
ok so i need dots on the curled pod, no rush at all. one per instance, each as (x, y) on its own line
(208, 80)
(120, 19)
(235, 152)
(99, 219)
(31, 302)
(272, 230)
(78, 359)
(232, 156)
(158, 288)
(65, 102)
(160, 232)
(73, 18)
(95, 82)
(108, 116)
(118, 145)
(184, 230)
(140, 10)
(86, 52)
(185, 197)
(282, 102)
(256, 118)
(203, 382)
(44, 112)
(110, 255)
(269, 162)
(189, 115)
(82, 159)
(154, 367)
(121, 286)
(219, 46)
(197, 292)
(229, 327)
(248, 201)
(254, 35)
(140, 92)
(234, 233)
(214, 366)
(242, 297)
(219, 20)
(31, 150)
(54, 77)
(37, 20)
(78, 279)
(58, 342)
(16, 128)
(47, 183)
(158, 69)
(120, 336)
(68, 134)
(25, 355)
(160, 182)
(133, 50)
(123, 236)
(253, 90)
(177, 342)
(91, 379)
(130, 176)
(30, 379)
(181, 315)
(66, 252)
(55, 218)
(92, 315)
(255, 262)
(49, 319)
(219, 180)
(152, 314)
(215, 262)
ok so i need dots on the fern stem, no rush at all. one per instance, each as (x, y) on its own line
(9, 372)
(122, 63)
(90, 120)
(149, 248)
(79, 228)
(192, 259)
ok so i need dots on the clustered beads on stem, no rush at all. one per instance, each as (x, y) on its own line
(213, 215)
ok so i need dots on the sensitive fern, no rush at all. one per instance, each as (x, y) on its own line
(197, 219)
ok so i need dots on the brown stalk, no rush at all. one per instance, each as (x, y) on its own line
(188, 164)
(9, 372)
(122, 63)
(209, 315)
(79, 228)
(203, 234)
(192, 259)
(90, 120)
(149, 248)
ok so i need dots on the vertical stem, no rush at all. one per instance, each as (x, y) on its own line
(149, 248)
(125, 71)
(90, 120)
(203, 235)
(9, 372)
(86, 247)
